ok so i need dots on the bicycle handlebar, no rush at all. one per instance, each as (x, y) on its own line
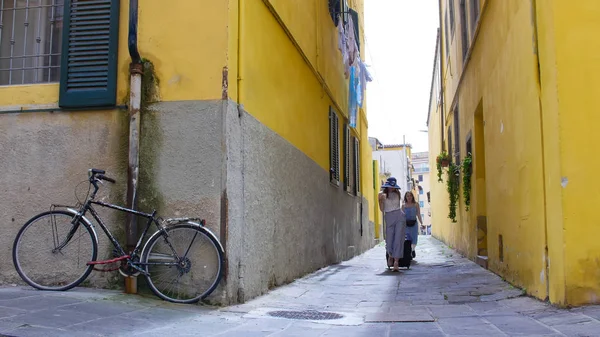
(103, 177)
(97, 174)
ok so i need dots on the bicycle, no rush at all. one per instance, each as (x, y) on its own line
(56, 274)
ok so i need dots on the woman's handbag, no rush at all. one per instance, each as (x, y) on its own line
(411, 223)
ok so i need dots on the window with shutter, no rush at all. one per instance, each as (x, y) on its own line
(355, 21)
(89, 56)
(346, 157)
(356, 166)
(334, 153)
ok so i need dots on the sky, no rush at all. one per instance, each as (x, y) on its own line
(400, 41)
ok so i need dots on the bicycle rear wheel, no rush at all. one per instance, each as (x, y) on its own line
(184, 265)
(50, 252)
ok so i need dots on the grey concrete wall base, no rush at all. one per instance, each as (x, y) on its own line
(271, 206)
(45, 157)
(284, 217)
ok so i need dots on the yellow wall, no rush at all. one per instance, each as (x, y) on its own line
(187, 71)
(291, 83)
(537, 183)
(569, 72)
(291, 72)
(501, 75)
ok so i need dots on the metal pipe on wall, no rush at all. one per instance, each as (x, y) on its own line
(135, 99)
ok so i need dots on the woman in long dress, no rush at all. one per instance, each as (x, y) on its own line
(390, 202)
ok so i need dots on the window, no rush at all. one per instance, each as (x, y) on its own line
(73, 42)
(30, 41)
(420, 191)
(451, 8)
(356, 166)
(469, 145)
(463, 29)
(88, 71)
(338, 8)
(421, 167)
(456, 136)
(356, 25)
(450, 148)
(447, 36)
(347, 182)
(334, 152)
(474, 6)
(421, 203)
(420, 177)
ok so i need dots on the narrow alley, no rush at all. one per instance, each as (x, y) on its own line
(442, 294)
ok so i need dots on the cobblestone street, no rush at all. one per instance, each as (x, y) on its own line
(442, 294)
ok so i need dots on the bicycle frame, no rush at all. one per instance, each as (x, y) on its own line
(87, 206)
(150, 216)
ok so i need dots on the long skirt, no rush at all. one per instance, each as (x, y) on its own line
(395, 233)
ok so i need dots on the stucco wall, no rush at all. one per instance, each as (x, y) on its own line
(44, 157)
(499, 85)
(294, 220)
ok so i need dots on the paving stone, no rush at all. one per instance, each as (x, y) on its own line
(9, 312)
(451, 310)
(359, 289)
(415, 330)
(38, 302)
(102, 308)
(53, 318)
(490, 308)
(399, 317)
(302, 329)
(462, 299)
(468, 326)
(36, 331)
(371, 330)
(519, 325)
(582, 329)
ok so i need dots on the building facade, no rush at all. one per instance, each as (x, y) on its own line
(240, 112)
(420, 162)
(395, 161)
(514, 85)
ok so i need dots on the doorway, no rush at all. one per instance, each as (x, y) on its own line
(480, 180)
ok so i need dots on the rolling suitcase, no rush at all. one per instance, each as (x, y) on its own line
(405, 261)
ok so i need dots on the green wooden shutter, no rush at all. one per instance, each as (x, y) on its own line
(346, 156)
(354, 15)
(336, 146)
(356, 166)
(88, 76)
(334, 153)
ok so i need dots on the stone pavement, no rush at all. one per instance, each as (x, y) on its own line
(442, 294)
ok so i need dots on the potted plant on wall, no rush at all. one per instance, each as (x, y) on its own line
(467, 169)
(452, 186)
(442, 160)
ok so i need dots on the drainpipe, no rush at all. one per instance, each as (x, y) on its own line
(135, 89)
(442, 76)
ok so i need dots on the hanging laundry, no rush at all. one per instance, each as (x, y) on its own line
(352, 47)
(342, 46)
(352, 96)
(365, 77)
(359, 87)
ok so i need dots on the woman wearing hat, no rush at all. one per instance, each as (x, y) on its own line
(390, 202)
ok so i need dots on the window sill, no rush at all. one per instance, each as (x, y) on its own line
(26, 96)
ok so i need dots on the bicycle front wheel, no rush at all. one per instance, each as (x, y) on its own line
(51, 251)
(184, 265)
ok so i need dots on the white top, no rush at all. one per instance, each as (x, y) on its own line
(392, 203)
